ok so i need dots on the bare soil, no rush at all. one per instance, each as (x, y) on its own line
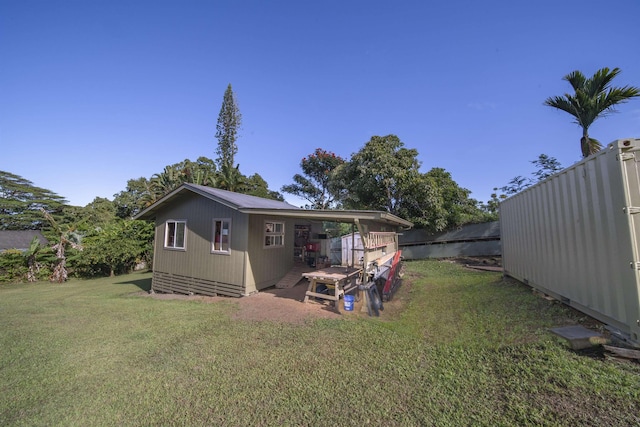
(272, 304)
(288, 306)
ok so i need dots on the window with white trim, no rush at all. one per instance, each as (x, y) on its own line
(175, 234)
(221, 235)
(273, 234)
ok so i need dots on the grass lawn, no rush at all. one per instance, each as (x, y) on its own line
(466, 349)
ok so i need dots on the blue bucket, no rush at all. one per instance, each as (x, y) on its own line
(348, 302)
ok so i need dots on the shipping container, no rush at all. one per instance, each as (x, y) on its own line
(574, 236)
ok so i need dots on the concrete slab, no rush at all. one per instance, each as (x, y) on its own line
(580, 337)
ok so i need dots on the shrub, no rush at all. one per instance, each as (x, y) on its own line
(13, 266)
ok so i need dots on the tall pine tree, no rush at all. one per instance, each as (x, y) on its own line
(229, 121)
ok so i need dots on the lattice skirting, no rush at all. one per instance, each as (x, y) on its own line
(177, 284)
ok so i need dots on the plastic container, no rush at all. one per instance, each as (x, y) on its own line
(348, 302)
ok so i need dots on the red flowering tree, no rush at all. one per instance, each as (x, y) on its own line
(315, 185)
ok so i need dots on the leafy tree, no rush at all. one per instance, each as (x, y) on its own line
(255, 185)
(546, 166)
(593, 98)
(380, 176)
(422, 204)
(12, 266)
(116, 248)
(384, 175)
(454, 207)
(134, 198)
(492, 207)
(516, 185)
(201, 172)
(21, 201)
(229, 122)
(99, 212)
(315, 185)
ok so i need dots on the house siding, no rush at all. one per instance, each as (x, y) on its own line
(265, 266)
(192, 270)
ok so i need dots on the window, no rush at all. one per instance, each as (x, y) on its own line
(273, 234)
(221, 235)
(174, 234)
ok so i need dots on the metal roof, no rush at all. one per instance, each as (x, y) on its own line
(260, 206)
(233, 200)
(237, 200)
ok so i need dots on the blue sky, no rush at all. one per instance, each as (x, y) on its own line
(93, 93)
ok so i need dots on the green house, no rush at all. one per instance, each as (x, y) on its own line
(210, 241)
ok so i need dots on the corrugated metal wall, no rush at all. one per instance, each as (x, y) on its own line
(469, 240)
(575, 236)
(452, 250)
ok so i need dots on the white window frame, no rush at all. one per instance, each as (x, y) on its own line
(274, 232)
(223, 221)
(176, 223)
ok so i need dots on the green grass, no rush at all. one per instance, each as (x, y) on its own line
(467, 348)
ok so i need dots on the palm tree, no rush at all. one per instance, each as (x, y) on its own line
(149, 195)
(231, 179)
(594, 97)
(202, 171)
(166, 181)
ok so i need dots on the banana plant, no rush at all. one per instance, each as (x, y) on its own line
(59, 274)
(32, 263)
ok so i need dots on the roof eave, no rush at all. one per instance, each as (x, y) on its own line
(335, 215)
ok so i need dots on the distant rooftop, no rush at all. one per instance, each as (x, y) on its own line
(19, 239)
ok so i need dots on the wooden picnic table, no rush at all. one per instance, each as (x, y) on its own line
(339, 279)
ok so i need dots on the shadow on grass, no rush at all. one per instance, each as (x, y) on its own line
(595, 352)
(144, 284)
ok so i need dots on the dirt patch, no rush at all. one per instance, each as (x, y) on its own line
(285, 305)
(288, 306)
